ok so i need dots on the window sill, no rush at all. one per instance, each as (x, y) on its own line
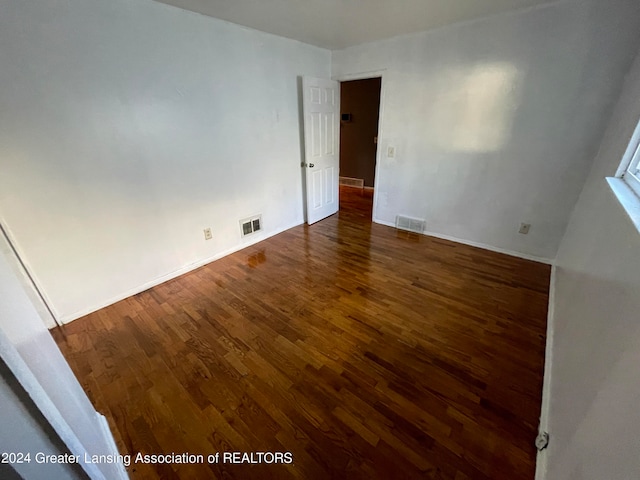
(627, 198)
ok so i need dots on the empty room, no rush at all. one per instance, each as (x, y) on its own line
(326, 239)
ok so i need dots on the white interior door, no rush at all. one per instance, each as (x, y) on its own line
(34, 360)
(321, 106)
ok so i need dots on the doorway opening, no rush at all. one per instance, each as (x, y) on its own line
(359, 119)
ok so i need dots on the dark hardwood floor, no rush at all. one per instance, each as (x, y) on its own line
(365, 351)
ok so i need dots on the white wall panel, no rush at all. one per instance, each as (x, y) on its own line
(127, 127)
(496, 122)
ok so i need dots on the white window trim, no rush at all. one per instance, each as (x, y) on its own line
(631, 174)
(626, 183)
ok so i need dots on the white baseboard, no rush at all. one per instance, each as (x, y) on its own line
(541, 459)
(108, 436)
(169, 276)
(513, 253)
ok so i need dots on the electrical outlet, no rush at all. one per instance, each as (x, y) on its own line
(391, 152)
(524, 228)
(207, 234)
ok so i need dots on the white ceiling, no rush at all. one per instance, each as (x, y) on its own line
(336, 24)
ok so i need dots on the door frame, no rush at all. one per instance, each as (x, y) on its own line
(365, 76)
(30, 282)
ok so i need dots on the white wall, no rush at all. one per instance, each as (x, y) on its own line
(594, 419)
(495, 122)
(128, 126)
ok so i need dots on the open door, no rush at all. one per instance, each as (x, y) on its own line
(31, 360)
(321, 107)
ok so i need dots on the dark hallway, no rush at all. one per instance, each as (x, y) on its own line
(359, 108)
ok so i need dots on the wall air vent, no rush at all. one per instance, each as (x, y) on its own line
(251, 225)
(352, 182)
(409, 224)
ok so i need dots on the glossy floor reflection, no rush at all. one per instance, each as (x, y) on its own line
(364, 351)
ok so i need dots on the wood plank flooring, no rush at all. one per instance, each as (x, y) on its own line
(366, 352)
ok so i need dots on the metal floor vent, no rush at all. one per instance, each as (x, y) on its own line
(251, 225)
(410, 224)
(352, 182)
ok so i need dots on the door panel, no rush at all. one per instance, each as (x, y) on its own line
(317, 189)
(329, 174)
(321, 130)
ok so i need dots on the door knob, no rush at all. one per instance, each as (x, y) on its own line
(311, 165)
